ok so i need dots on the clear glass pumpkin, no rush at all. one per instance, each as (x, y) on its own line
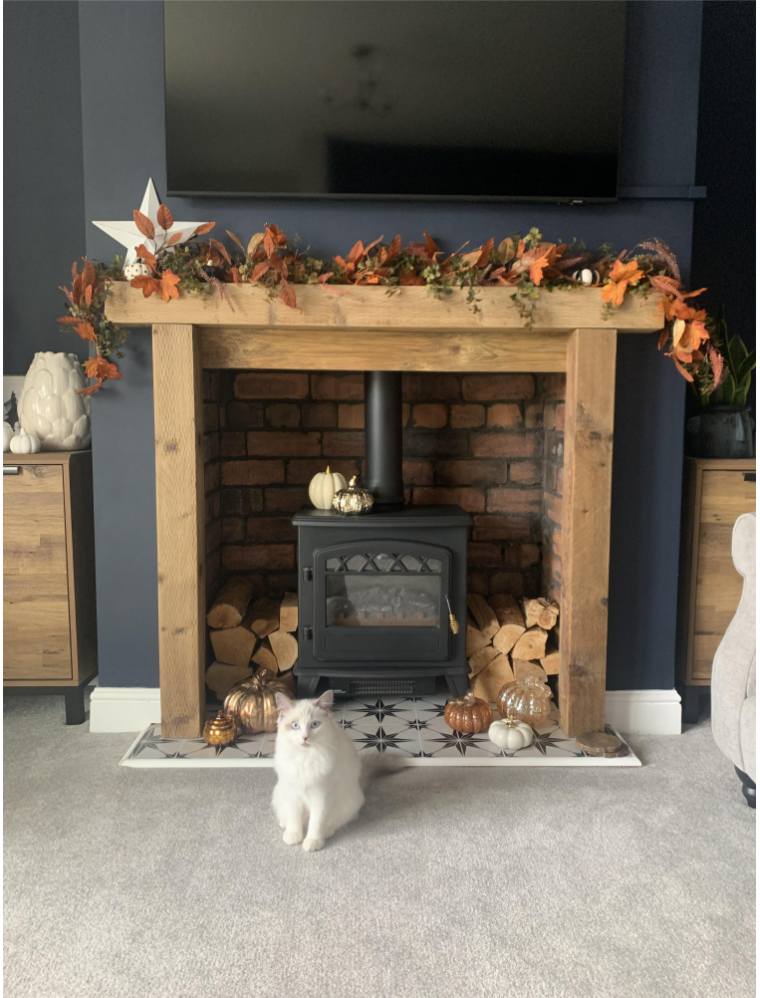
(528, 699)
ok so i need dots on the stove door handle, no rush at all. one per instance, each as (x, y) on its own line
(453, 622)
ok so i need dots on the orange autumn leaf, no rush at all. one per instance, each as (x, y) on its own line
(203, 229)
(287, 294)
(164, 217)
(682, 370)
(168, 285)
(668, 307)
(88, 295)
(485, 254)
(88, 273)
(235, 239)
(70, 320)
(144, 224)
(145, 254)
(621, 275)
(258, 271)
(102, 369)
(86, 331)
(537, 268)
(430, 247)
(147, 284)
(689, 314)
(220, 246)
(174, 239)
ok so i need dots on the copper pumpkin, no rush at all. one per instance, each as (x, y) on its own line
(252, 702)
(468, 714)
(220, 730)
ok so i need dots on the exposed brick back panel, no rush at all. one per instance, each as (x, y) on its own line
(491, 443)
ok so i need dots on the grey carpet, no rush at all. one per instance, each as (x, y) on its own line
(538, 883)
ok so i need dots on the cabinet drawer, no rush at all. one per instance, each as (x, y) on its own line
(36, 620)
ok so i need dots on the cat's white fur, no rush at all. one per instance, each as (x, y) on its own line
(318, 772)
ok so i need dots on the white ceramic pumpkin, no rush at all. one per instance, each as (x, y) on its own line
(8, 435)
(25, 443)
(49, 405)
(586, 276)
(323, 487)
(511, 734)
(136, 270)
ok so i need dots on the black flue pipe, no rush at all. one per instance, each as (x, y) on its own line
(382, 434)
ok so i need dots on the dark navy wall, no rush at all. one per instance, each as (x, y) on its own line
(43, 179)
(121, 45)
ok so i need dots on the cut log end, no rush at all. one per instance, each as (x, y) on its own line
(231, 603)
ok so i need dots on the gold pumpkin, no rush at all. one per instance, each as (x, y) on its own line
(353, 500)
(468, 714)
(220, 730)
(253, 702)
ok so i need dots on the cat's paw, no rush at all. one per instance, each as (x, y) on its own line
(292, 836)
(312, 845)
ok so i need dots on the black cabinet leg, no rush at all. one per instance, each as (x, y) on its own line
(690, 704)
(457, 685)
(74, 696)
(748, 787)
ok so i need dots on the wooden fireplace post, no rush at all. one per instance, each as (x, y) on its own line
(180, 527)
(589, 414)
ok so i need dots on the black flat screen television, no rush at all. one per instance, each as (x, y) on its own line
(428, 99)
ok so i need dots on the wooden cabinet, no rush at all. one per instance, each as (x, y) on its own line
(49, 621)
(716, 492)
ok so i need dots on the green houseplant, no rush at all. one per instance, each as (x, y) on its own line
(724, 426)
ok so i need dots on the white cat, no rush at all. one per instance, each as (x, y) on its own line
(318, 772)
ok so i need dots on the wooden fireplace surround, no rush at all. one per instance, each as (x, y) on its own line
(366, 328)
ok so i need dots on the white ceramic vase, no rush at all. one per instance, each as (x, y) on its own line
(49, 405)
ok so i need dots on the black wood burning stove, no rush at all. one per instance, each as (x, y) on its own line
(382, 596)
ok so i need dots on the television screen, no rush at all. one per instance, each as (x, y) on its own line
(503, 99)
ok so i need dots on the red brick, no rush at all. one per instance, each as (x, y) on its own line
(501, 528)
(425, 387)
(343, 443)
(557, 542)
(286, 500)
(466, 417)
(301, 471)
(337, 386)
(560, 418)
(417, 472)
(477, 583)
(498, 387)
(241, 502)
(471, 472)
(270, 529)
(257, 557)
(553, 478)
(534, 416)
(430, 414)
(484, 555)
(211, 477)
(233, 529)
(552, 566)
(280, 583)
(271, 385)
(504, 415)
(283, 443)
(507, 582)
(554, 386)
(210, 447)
(210, 417)
(253, 473)
(351, 417)
(514, 500)
(211, 386)
(553, 508)
(471, 500)
(232, 444)
(283, 415)
(245, 415)
(554, 416)
(553, 592)
(316, 415)
(519, 556)
(525, 472)
(505, 444)
(213, 536)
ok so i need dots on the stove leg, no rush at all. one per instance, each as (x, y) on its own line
(307, 687)
(457, 685)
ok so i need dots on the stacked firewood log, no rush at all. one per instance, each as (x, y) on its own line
(508, 639)
(247, 634)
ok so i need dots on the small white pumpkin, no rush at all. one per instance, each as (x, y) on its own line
(8, 435)
(323, 487)
(586, 276)
(509, 733)
(139, 269)
(25, 443)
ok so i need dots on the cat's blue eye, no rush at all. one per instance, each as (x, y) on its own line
(294, 725)
(315, 724)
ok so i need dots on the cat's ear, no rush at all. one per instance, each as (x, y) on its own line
(284, 703)
(325, 702)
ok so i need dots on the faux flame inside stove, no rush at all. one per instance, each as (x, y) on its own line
(359, 601)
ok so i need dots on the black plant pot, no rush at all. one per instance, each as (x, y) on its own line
(721, 431)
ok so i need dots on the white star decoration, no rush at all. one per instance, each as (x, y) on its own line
(130, 236)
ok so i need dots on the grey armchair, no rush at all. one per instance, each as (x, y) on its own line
(733, 671)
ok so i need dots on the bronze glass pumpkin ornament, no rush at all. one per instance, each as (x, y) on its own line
(352, 500)
(468, 714)
(527, 699)
(220, 730)
(252, 702)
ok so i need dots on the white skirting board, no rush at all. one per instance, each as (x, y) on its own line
(632, 712)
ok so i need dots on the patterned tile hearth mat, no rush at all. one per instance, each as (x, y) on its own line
(413, 729)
